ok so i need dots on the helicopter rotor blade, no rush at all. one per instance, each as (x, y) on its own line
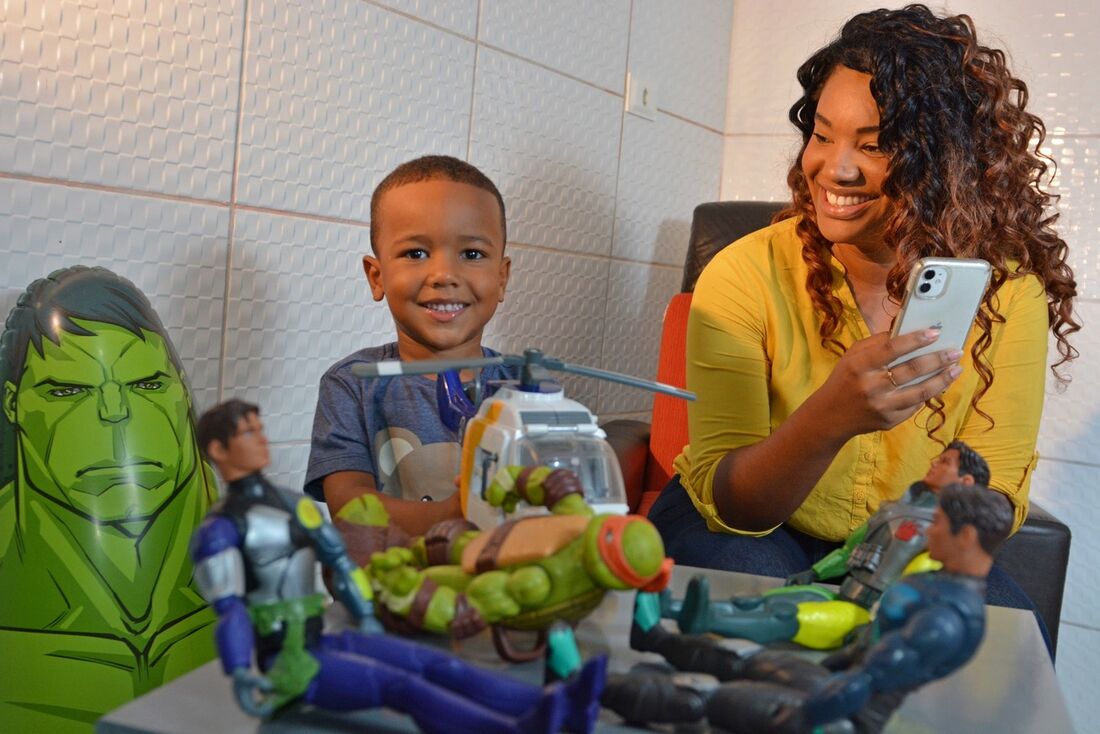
(391, 367)
(555, 364)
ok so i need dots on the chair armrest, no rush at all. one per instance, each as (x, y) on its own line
(629, 440)
(1036, 558)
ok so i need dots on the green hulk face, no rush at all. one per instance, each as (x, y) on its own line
(103, 422)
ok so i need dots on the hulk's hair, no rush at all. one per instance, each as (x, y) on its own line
(966, 172)
(427, 168)
(51, 305)
(986, 509)
(971, 462)
(220, 423)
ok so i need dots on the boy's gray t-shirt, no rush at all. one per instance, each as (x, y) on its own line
(388, 427)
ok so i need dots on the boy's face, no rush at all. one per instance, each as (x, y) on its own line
(440, 265)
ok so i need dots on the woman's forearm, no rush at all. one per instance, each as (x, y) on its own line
(760, 486)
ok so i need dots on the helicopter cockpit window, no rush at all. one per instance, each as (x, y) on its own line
(591, 458)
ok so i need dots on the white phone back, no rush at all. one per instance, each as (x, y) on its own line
(953, 310)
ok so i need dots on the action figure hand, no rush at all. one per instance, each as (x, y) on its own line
(251, 691)
(369, 624)
(390, 559)
(802, 578)
(842, 695)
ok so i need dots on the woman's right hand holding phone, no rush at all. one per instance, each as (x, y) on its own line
(864, 394)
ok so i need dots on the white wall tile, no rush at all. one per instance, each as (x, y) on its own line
(1077, 181)
(666, 170)
(551, 144)
(1078, 651)
(755, 167)
(583, 39)
(1071, 416)
(134, 94)
(339, 93)
(770, 41)
(173, 252)
(459, 16)
(636, 302)
(298, 302)
(555, 303)
(1053, 48)
(681, 49)
(288, 464)
(1068, 491)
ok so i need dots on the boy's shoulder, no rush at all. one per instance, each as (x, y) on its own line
(367, 355)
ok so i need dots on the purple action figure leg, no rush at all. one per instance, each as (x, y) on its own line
(349, 681)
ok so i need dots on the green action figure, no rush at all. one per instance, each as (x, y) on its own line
(101, 486)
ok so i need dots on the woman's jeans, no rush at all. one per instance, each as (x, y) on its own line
(780, 553)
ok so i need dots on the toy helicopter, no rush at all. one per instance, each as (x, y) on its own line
(531, 423)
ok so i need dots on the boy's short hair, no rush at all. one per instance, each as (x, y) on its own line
(971, 462)
(427, 168)
(220, 423)
(986, 509)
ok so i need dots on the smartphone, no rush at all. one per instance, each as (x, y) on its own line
(944, 292)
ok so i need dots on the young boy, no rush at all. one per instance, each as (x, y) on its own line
(437, 235)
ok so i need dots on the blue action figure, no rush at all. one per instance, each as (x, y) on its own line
(255, 562)
(891, 544)
(927, 626)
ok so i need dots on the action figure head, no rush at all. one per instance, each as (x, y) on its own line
(438, 235)
(232, 438)
(957, 464)
(96, 410)
(970, 523)
(626, 552)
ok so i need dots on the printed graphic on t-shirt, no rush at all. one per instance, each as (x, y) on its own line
(411, 470)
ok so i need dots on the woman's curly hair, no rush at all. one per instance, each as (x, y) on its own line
(965, 168)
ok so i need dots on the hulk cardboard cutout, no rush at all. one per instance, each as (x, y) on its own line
(101, 487)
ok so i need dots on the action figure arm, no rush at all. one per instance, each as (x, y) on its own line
(219, 574)
(904, 659)
(557, 490)
(836, 563)
(349, 581)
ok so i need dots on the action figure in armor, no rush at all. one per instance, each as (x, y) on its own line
(890, 545)
(926, 626)
(255, 560)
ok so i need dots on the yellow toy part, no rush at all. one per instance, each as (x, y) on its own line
(921, 563)
(823, 625)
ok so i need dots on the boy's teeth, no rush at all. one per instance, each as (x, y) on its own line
(448, 307)
(835, 200)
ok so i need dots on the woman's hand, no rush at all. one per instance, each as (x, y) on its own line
(862, 394)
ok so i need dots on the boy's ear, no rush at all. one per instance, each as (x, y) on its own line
(505, 272)
(374, 277)
(217, 451)
(966, 480)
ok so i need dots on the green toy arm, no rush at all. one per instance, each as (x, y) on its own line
(558, 490)
(836, 563)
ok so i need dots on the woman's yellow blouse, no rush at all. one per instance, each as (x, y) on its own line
(754, 354)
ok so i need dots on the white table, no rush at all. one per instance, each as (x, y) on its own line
(1009, 686)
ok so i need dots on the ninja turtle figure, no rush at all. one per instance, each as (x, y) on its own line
(525, 574)
(101, 486)
(890, 545)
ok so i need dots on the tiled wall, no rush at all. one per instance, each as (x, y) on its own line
(1056, 50)
(221, 155)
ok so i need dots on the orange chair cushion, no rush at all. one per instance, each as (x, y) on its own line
(668, 424)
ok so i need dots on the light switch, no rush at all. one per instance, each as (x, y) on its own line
(641, 100)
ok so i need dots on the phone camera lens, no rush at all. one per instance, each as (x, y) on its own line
(929, 274)
(924, 287)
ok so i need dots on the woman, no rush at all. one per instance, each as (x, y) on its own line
(916, 143)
